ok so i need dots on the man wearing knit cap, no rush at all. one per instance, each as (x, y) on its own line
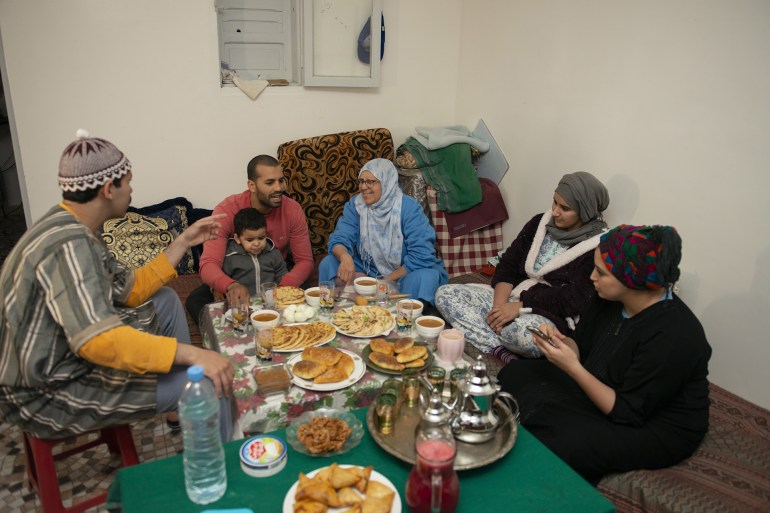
(69, 361)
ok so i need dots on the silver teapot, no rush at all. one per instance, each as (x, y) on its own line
(477, 406)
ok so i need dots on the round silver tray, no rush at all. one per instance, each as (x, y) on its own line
(400, 442)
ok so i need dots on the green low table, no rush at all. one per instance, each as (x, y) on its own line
(530, 478)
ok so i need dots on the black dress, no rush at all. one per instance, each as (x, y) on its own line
(657, 363)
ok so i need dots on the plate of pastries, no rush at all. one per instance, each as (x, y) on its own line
(395, 356)
(285, 296)
(363, 321)
(296, 337)
(325, 368)
(342, 488)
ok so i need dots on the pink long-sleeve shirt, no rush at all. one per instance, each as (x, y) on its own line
(286, 226)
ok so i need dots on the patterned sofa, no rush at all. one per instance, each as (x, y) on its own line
(321, 174)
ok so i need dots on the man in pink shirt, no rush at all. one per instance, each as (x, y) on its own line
(286, 226)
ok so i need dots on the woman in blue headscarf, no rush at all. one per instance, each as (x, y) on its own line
(383, 231)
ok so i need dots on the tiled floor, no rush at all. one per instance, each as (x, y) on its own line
(81, 474)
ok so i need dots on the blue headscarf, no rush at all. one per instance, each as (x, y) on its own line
(380, 226)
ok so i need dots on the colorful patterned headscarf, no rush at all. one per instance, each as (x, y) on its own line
(633, 255)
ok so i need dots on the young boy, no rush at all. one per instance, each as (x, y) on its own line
(251, 258)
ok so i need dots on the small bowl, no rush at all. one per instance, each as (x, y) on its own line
(272, 379)
(311, 297)
(265, 319)
(429, 326)
(417, 307)
(365, 286)
(355, 425)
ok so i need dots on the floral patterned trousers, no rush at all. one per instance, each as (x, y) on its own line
(466, 307)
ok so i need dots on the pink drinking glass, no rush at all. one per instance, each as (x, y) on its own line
(451, 344)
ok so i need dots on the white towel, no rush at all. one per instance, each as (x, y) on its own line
(441, 137)
(251, 88)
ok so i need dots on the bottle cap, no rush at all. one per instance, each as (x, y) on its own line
(195, 373)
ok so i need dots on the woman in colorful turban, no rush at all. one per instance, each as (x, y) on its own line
(628, 390)
(541, 278)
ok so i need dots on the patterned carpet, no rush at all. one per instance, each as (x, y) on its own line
(81, 474)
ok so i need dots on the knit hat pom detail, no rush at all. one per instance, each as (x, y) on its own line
(90, 162)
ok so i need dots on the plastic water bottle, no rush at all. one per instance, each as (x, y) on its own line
(204, 457)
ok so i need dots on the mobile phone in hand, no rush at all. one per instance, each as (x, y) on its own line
(542, 335)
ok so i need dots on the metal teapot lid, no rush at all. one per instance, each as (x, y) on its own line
(436, 411)
(477, 382)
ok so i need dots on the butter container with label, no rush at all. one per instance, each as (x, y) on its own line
(263, 456)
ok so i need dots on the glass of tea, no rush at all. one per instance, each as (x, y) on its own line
(383, 292)
(263, 340)
(326, 296)
(268, 294)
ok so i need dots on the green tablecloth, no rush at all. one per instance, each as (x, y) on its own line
(529, 478)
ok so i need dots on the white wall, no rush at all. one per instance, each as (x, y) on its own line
(666, 101)
(144, 74)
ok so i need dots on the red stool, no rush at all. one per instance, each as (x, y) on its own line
(41, 465)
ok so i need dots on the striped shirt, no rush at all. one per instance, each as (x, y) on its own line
(58, 288)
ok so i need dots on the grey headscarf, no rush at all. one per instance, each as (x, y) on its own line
(589, 197)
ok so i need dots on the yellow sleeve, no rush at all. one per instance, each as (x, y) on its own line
(131, 350)
(149, 278)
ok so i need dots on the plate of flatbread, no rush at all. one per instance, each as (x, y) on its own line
(394, 356)
(285, 296)
(296, 337)
(324, 369)
(363, 321)
(365, 488)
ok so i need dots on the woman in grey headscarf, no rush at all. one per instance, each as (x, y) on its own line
(542, 278)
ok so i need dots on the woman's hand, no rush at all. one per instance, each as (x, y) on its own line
(502, 314)
(565, 355)
(347, 269)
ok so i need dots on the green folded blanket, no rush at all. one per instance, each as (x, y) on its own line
(450, 171)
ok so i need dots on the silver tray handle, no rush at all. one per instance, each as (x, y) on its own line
(510, 405)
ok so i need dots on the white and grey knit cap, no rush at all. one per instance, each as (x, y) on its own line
(89, 163)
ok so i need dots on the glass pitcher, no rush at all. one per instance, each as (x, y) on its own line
(433, 485)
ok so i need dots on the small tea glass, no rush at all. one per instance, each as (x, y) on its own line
(436, 377)
(456, 376)
(396, 387)
(268, 294)
(326, 296)
(385, 409)
(383, 292)
(412, 387)
(239, 314)
(404, 315)
(263, 340)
